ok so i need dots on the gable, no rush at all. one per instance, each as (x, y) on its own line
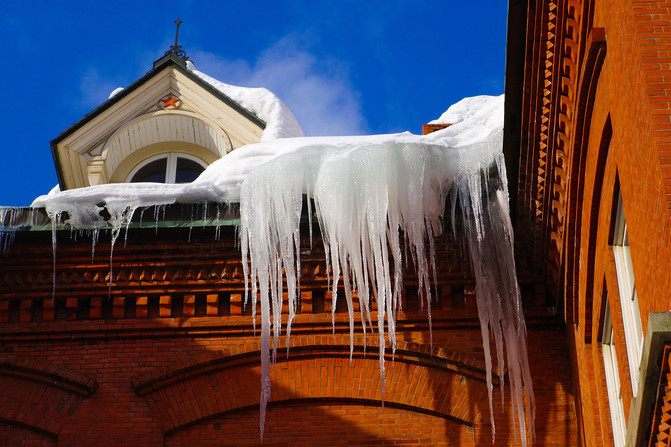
(168, 106)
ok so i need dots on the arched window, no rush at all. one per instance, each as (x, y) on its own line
(168, 168)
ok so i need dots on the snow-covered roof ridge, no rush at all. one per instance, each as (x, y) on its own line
(280, 121)
(464, 109)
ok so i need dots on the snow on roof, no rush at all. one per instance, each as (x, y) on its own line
(463, 109)
(115, 92)
(280, 122)
(222, 180)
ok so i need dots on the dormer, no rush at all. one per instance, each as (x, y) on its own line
(167, 127)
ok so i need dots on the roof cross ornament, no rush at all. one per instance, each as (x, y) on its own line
(176, 48)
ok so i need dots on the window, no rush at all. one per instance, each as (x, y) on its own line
(613, 380)
(168, 168)
(631, 314)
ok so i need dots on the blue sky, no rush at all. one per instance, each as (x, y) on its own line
(343, 67)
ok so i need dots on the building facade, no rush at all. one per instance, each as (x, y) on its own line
(153, 345)
(588, 138)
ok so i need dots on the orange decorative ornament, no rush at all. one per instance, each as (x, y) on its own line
(170, 102)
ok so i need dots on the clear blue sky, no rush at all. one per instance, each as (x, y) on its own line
(343, 67)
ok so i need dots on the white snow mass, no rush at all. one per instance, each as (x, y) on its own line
(462, 110)
(115, 92)
(372, 195)
(280, 122)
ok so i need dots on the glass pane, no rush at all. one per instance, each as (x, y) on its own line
(187, 170)
(152, 172)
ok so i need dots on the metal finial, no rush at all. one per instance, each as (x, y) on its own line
(176, 48)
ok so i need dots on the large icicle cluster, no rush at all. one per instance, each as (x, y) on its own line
(378, 199)
(371, 194)
(365, 191)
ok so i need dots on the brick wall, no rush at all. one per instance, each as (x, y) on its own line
(612, 123)
(170, 357)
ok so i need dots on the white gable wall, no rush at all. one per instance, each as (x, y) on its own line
(138, 127)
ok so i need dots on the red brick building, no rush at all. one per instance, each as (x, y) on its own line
(156, 348)
(588, 108)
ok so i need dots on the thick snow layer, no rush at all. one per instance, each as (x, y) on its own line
(372, 195)
(280, 122)
(463, 110)
(222, 180)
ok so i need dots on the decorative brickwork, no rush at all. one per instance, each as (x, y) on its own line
(536, 122)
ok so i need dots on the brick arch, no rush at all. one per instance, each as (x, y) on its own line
(594, 58)
(323, 424)
(37, 396)
(595, 201)
(318, 369)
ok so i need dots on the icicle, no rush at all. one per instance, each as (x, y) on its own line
(157, 212)
(142, 214)
(10, 221)
(119, 216)
(217, 228)
(361, 210)
(7, 230)
(125, 235)
(490, 241)
(362, 207)
(54, 224)
(94, 240)
(205, 207)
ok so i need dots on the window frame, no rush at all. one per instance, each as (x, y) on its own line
(171, 165)
(613, 384)
(631, 313)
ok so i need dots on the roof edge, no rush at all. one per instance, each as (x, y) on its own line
(514, 80)
(170, 56)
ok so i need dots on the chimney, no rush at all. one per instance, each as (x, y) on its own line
(430, 128)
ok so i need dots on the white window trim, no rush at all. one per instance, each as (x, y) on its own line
(171, 165)
(631, 314)
(613, 386)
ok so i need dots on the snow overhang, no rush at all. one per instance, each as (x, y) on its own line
(175, 215)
